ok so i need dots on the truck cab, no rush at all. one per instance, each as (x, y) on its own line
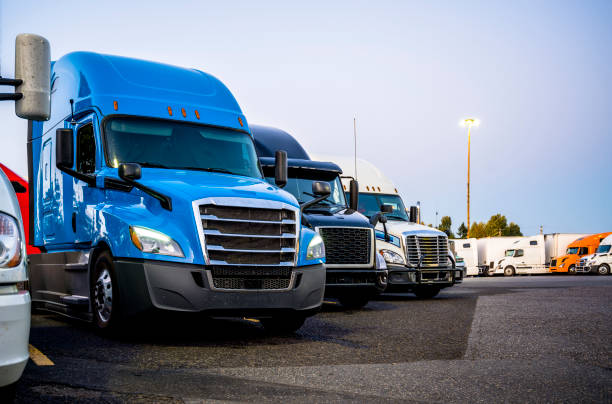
(355, 271)
(577, 249)
(418, 257)
(600, 261)
(146, 194)
(527, 255)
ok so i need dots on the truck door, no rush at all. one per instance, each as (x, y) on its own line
(48, 190)
(87, 161)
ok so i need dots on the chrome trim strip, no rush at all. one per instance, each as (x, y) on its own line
(221, 248)
(218, 233)
(372, 247)
(223, 263)
(218, 219)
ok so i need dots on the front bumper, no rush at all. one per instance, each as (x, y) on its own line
(558, 269)
(14, 336)
(339, 281)
(402, 278)
(147, 284)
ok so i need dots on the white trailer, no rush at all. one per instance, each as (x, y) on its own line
(468, 250)
(482, 254)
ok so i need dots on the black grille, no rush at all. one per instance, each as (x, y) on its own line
(346, 245)
(258, 258)
(227, 277)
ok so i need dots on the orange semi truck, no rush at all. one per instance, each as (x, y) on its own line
(575, 250)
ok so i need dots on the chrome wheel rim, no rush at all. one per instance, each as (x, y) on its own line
(103, 295)
(602, 270)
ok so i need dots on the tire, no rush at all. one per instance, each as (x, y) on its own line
(426, 292)
(353, 301)
(603, 269)
(509, 271)
(8, 393)
(104, 293)
(572, 269)
(283, 324)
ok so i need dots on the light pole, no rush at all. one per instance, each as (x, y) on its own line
(469, 122)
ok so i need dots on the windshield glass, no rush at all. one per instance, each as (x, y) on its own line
(509, 253)
(300, 186)
(572, 250)
(179, 145)
(370, 204)
(602, 249)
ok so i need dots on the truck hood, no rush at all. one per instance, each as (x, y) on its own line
(398, 228)
(193, 185)
(343, 218)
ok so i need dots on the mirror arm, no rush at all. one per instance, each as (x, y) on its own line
(86, 178)
(164, 201)
(387, 238)
(10, 96)
(312, 202)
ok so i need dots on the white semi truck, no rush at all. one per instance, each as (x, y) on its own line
(418, 257)
(533, 254)
(601, 261)
(480, 255)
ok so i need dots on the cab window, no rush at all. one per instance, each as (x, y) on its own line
(86, 150)
(519, 253)
(583, 251)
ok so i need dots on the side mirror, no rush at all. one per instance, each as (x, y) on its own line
(413, 214)
(321, 188)
(130, 171)
(354, 195)
(386, 208)
(64, 148)
(280, 168)
(33, 68)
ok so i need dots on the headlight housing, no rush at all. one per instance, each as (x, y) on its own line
(392, 257)
(154, 242)
(10, 242)
(316, 248)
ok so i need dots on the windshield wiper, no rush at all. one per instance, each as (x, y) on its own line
(395, 217)
(150, 165)
(209, 169)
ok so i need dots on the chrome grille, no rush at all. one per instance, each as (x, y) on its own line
(428, 251)
(347, 246)
(238, 235)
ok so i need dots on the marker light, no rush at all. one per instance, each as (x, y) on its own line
(10, 242)
(240, 120)
(183, 112)
(197, 114)
(169, 111)
(154, 242)
(115, 105)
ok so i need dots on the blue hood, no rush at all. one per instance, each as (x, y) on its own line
(191, 185)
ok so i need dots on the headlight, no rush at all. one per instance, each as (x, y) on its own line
(316, 248)
(10, 242)
(392, 257)
(561, 266)
(154, 242)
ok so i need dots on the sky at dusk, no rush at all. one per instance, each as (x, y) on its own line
(537, 74)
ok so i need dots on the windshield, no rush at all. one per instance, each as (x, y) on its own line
(300, 186)
(370, 204)
(602, 249)
(509, 253)
(179, 145)
(572, 250)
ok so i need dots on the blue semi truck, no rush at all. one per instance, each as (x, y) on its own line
(355, 271)
(146, 193)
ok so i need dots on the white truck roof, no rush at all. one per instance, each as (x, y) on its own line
(607, 240)
(371, 179)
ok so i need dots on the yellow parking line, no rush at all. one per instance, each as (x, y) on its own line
(38, 357)
(329, 302)
(252, 320)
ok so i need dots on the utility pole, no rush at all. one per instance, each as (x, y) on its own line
(469, 122)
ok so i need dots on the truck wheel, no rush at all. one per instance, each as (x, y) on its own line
(603, 269)
(509, 271)
(353, 301)
(571, 269)
(426, 292)
(104, 292)
(283, 324)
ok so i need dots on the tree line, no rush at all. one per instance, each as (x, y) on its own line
(496, 226)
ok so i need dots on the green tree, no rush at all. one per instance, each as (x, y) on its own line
(478, 230)
(445, 226)
(513, 229)
(496, 225)
(462, 231)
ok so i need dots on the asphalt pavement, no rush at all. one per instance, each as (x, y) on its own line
(521, 339)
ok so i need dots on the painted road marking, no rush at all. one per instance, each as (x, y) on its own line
(329, 302)
(252, 320)
(38, 357)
